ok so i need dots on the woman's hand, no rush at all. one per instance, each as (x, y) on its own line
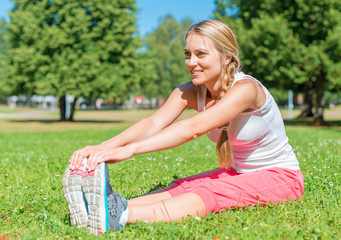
(114, 155)
(79, 155)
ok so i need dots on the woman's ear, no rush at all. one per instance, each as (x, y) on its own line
(228, 60)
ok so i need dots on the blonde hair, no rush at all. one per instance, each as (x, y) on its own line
(226, 44)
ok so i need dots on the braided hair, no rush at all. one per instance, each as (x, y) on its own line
(226, 44)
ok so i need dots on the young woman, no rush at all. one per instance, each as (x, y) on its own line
(256, 162)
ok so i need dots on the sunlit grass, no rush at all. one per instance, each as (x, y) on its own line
(32, 205)
(6, 110)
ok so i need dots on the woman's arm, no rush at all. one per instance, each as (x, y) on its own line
(242, 96)
(181, 98)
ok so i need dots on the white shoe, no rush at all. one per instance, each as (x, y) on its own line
(105, 207)
(72, 188)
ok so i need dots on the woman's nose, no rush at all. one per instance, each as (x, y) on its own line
(193, 60)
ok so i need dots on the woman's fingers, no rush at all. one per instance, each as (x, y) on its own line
(73, 160)
(96, 159)
(76, 159)
(116, 154)
(78, 156)
(99, 157)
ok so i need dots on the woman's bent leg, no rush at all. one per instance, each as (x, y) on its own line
(260, 187)
(221, 189)
(168, 210)
(180, 186)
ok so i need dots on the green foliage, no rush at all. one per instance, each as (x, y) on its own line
(269, 55)
(287, 36)
(332, 97)
(165, 45)
(2, 33)
(84, 48)
(280, 95)
(146, 70)
(289, 44)
(2, 48)
(32, 204)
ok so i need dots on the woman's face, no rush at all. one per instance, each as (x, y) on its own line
(202, 60)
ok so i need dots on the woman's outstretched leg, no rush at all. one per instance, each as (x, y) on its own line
(152, 197)
(168, 210)
(108, 210)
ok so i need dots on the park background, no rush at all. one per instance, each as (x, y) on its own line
(74, 73)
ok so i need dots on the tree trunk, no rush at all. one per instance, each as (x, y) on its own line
(308, 100)
(62, 102)
(114, 103)
(28, 103)
(62, 106)
(320, 102)
(73, 107)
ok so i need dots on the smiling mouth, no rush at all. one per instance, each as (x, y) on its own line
(196, 72)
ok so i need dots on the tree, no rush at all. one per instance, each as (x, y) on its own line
(2, 46)
(59, 47)
(291, 44)
(165, 45)
(2, 33)
(146, 68)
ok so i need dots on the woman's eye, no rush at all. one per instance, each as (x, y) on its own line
(187, 55)
(201, 54)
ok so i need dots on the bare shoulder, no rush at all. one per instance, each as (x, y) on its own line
(187, 87)
(187, 93)
(252, 91)
(246, 83)
(181, 98)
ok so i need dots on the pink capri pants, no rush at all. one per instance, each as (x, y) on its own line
(220, 189)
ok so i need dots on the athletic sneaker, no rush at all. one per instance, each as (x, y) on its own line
(105, 207)
(72, 188)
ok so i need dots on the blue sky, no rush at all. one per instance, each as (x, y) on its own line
(150, 11)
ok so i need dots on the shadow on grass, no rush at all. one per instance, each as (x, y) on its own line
(49, 121)
(309, 122)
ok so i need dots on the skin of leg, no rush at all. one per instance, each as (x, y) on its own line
(168, 210)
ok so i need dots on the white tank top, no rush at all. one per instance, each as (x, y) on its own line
(258, 138)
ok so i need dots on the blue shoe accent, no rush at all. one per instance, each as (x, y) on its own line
(103, 203)
(106, 179)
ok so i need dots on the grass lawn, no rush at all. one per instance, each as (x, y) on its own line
(34, 154)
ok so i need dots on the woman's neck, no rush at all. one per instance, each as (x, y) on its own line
(212, 93)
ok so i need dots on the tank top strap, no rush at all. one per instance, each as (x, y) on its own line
(201, 96)
(240, 76)
(266, 107)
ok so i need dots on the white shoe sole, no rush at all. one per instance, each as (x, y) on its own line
(72, 188)
(94, 188)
